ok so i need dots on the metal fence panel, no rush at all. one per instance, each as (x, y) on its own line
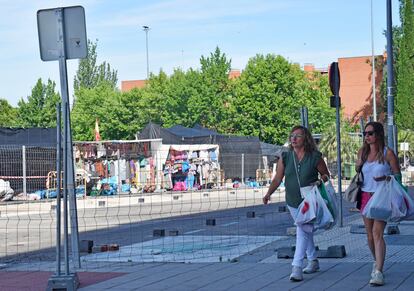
(141, 215)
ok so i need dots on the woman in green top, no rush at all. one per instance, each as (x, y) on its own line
(302, 164)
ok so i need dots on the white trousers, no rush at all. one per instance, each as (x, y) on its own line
(304, 241)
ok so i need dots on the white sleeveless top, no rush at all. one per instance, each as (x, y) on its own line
(374, 169)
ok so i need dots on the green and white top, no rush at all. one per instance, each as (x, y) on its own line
(307, 171)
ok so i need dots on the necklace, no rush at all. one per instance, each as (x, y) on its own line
(300, 156)
(299, 159)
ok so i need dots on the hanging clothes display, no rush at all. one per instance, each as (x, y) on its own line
(118, 161)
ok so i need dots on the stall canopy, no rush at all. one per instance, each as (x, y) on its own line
(41, 137)
(236, 152)
(39, 156)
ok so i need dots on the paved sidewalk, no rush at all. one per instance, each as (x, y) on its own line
(252, 271)
(271, 273)
(249, 276)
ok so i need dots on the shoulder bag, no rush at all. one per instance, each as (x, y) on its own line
(354, 188)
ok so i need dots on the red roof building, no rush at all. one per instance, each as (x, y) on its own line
(356, 85)
(131, 84)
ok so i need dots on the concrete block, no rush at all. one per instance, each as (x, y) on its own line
(285, 252)
(158, 232)
(113, 247)
(289, 252)
(173, 233)
(100, 248)
(101, 203)
(251, 214)
(392, 229)
(141, 200)
(357, 228)
(282, 208)
(291, 231)
(336, 251)
(63, 282)
(210, 221)
(85, 246)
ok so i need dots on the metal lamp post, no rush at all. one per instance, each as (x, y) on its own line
(374, 99)
(146, 29)
(390, 82)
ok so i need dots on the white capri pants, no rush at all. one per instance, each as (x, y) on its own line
(304, 241)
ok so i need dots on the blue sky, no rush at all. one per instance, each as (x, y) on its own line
(303, 31)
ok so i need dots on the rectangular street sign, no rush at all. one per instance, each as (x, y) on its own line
(51, 34)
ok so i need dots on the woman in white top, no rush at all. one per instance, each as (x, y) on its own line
(378, 162)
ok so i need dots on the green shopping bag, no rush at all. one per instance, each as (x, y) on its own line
(328, 199)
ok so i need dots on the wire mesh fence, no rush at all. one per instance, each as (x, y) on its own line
(147, 202)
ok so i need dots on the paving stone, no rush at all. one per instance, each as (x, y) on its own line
(158, 232)
(250, 214)
(210, 221)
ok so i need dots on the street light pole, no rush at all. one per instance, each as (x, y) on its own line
(390, 81)
(146, 29)
(374, 99)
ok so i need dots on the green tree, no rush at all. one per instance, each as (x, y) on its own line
(8, 114)
(405, 68)
(40, 108)
(406, 135)
(90, 74)
(154, 99)
(181, 90)
(131, 115)
(101, 103)
(207, 101)
(350, 142)
(139, 107)
(268, 96)
(191, 97)
(316, 98)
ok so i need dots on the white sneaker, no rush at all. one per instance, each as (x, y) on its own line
(296, 274)
(377, 279)
(311, 267)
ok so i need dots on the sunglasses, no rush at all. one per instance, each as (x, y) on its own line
(296, 135)
(368, 133)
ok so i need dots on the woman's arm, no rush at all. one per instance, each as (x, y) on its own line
(280, 173)
(359, 160)
(323, 170)
(392, 159)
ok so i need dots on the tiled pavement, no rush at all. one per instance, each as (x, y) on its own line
(269, 273)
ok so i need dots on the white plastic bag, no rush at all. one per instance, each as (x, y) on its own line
(402, 201)
(398, 204)
(313, 209)
(409, 201)
(6, 192)
(307, 209)
(379, 206)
